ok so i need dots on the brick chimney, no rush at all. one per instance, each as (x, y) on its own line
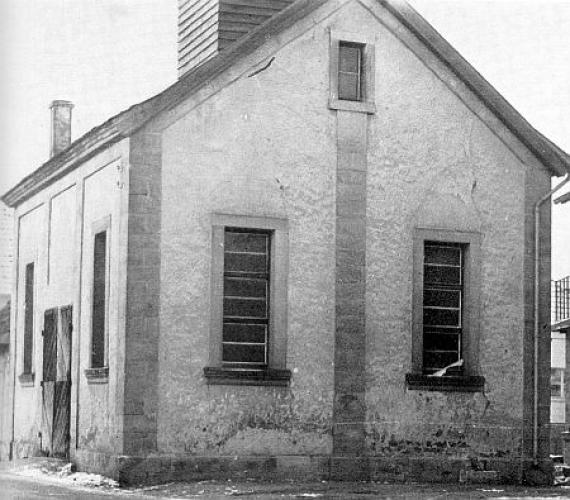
(206, 27)
(60, 126)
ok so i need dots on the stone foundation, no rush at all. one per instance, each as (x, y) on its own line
(132, 470)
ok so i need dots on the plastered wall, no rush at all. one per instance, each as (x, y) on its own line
(265, 145)
(55, 232)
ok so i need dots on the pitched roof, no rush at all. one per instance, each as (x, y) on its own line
(127, 122)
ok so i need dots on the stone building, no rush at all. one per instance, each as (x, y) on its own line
(312, 256)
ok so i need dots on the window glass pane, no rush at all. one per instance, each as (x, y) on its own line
(449, 255)
(441, 317)
(243, 353)
(244, 332)
(348, 86)
(441, 297)
(245, 287)
(349, 58)
(98, 306)
(441, 341)
(435, 360)
(245, 302)
(245, 263)
(245, 242)
(442, 306)
(245, 308)
(442, 275)
(350, 71)
(29, 318)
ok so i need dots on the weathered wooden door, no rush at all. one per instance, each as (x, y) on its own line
(56, 383)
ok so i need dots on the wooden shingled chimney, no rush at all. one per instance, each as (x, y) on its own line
(206, 27)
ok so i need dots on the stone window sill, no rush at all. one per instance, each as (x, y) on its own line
(228, 376)
(356, 106)
(448, 383)
(27, 379)
(97, 375)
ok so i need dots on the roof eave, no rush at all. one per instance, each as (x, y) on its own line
(56, 167)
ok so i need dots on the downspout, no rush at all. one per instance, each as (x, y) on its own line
(536, 311)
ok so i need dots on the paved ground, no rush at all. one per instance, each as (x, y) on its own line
(14, 487)
(348, 490)
(49, 478)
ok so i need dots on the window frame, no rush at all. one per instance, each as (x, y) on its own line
(275, 373)
(96, 373)
(469, 379)
(366, 103)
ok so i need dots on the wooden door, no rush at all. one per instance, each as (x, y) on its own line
(48, 379)
(57, 381)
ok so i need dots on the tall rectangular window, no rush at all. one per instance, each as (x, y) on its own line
(99, 306)
(248, 320)
(246, 298)
(442, 305)
(29, 318)
(446, 311)
(350, 71)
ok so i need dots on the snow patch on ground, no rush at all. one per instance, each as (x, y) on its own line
(65, 474)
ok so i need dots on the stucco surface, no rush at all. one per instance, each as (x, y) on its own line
(97, 408)
(27, 402)
(261, 147)
(49, 236)
(433, 164)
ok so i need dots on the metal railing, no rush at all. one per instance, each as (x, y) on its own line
(561, 299)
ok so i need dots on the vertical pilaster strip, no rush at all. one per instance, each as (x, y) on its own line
(76, 321)
(349, 381)
(140, 410)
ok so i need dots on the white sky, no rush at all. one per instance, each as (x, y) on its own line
(105, 55)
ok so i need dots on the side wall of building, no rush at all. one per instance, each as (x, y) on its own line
(55, 233)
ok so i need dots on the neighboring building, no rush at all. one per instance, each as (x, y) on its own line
(6, 260)
(560, 324)
(311, 256)
(557, 390)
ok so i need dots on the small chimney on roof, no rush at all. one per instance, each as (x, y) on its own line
(206, 27)
(60, 126)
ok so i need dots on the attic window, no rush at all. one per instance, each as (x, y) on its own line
(351, 73)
